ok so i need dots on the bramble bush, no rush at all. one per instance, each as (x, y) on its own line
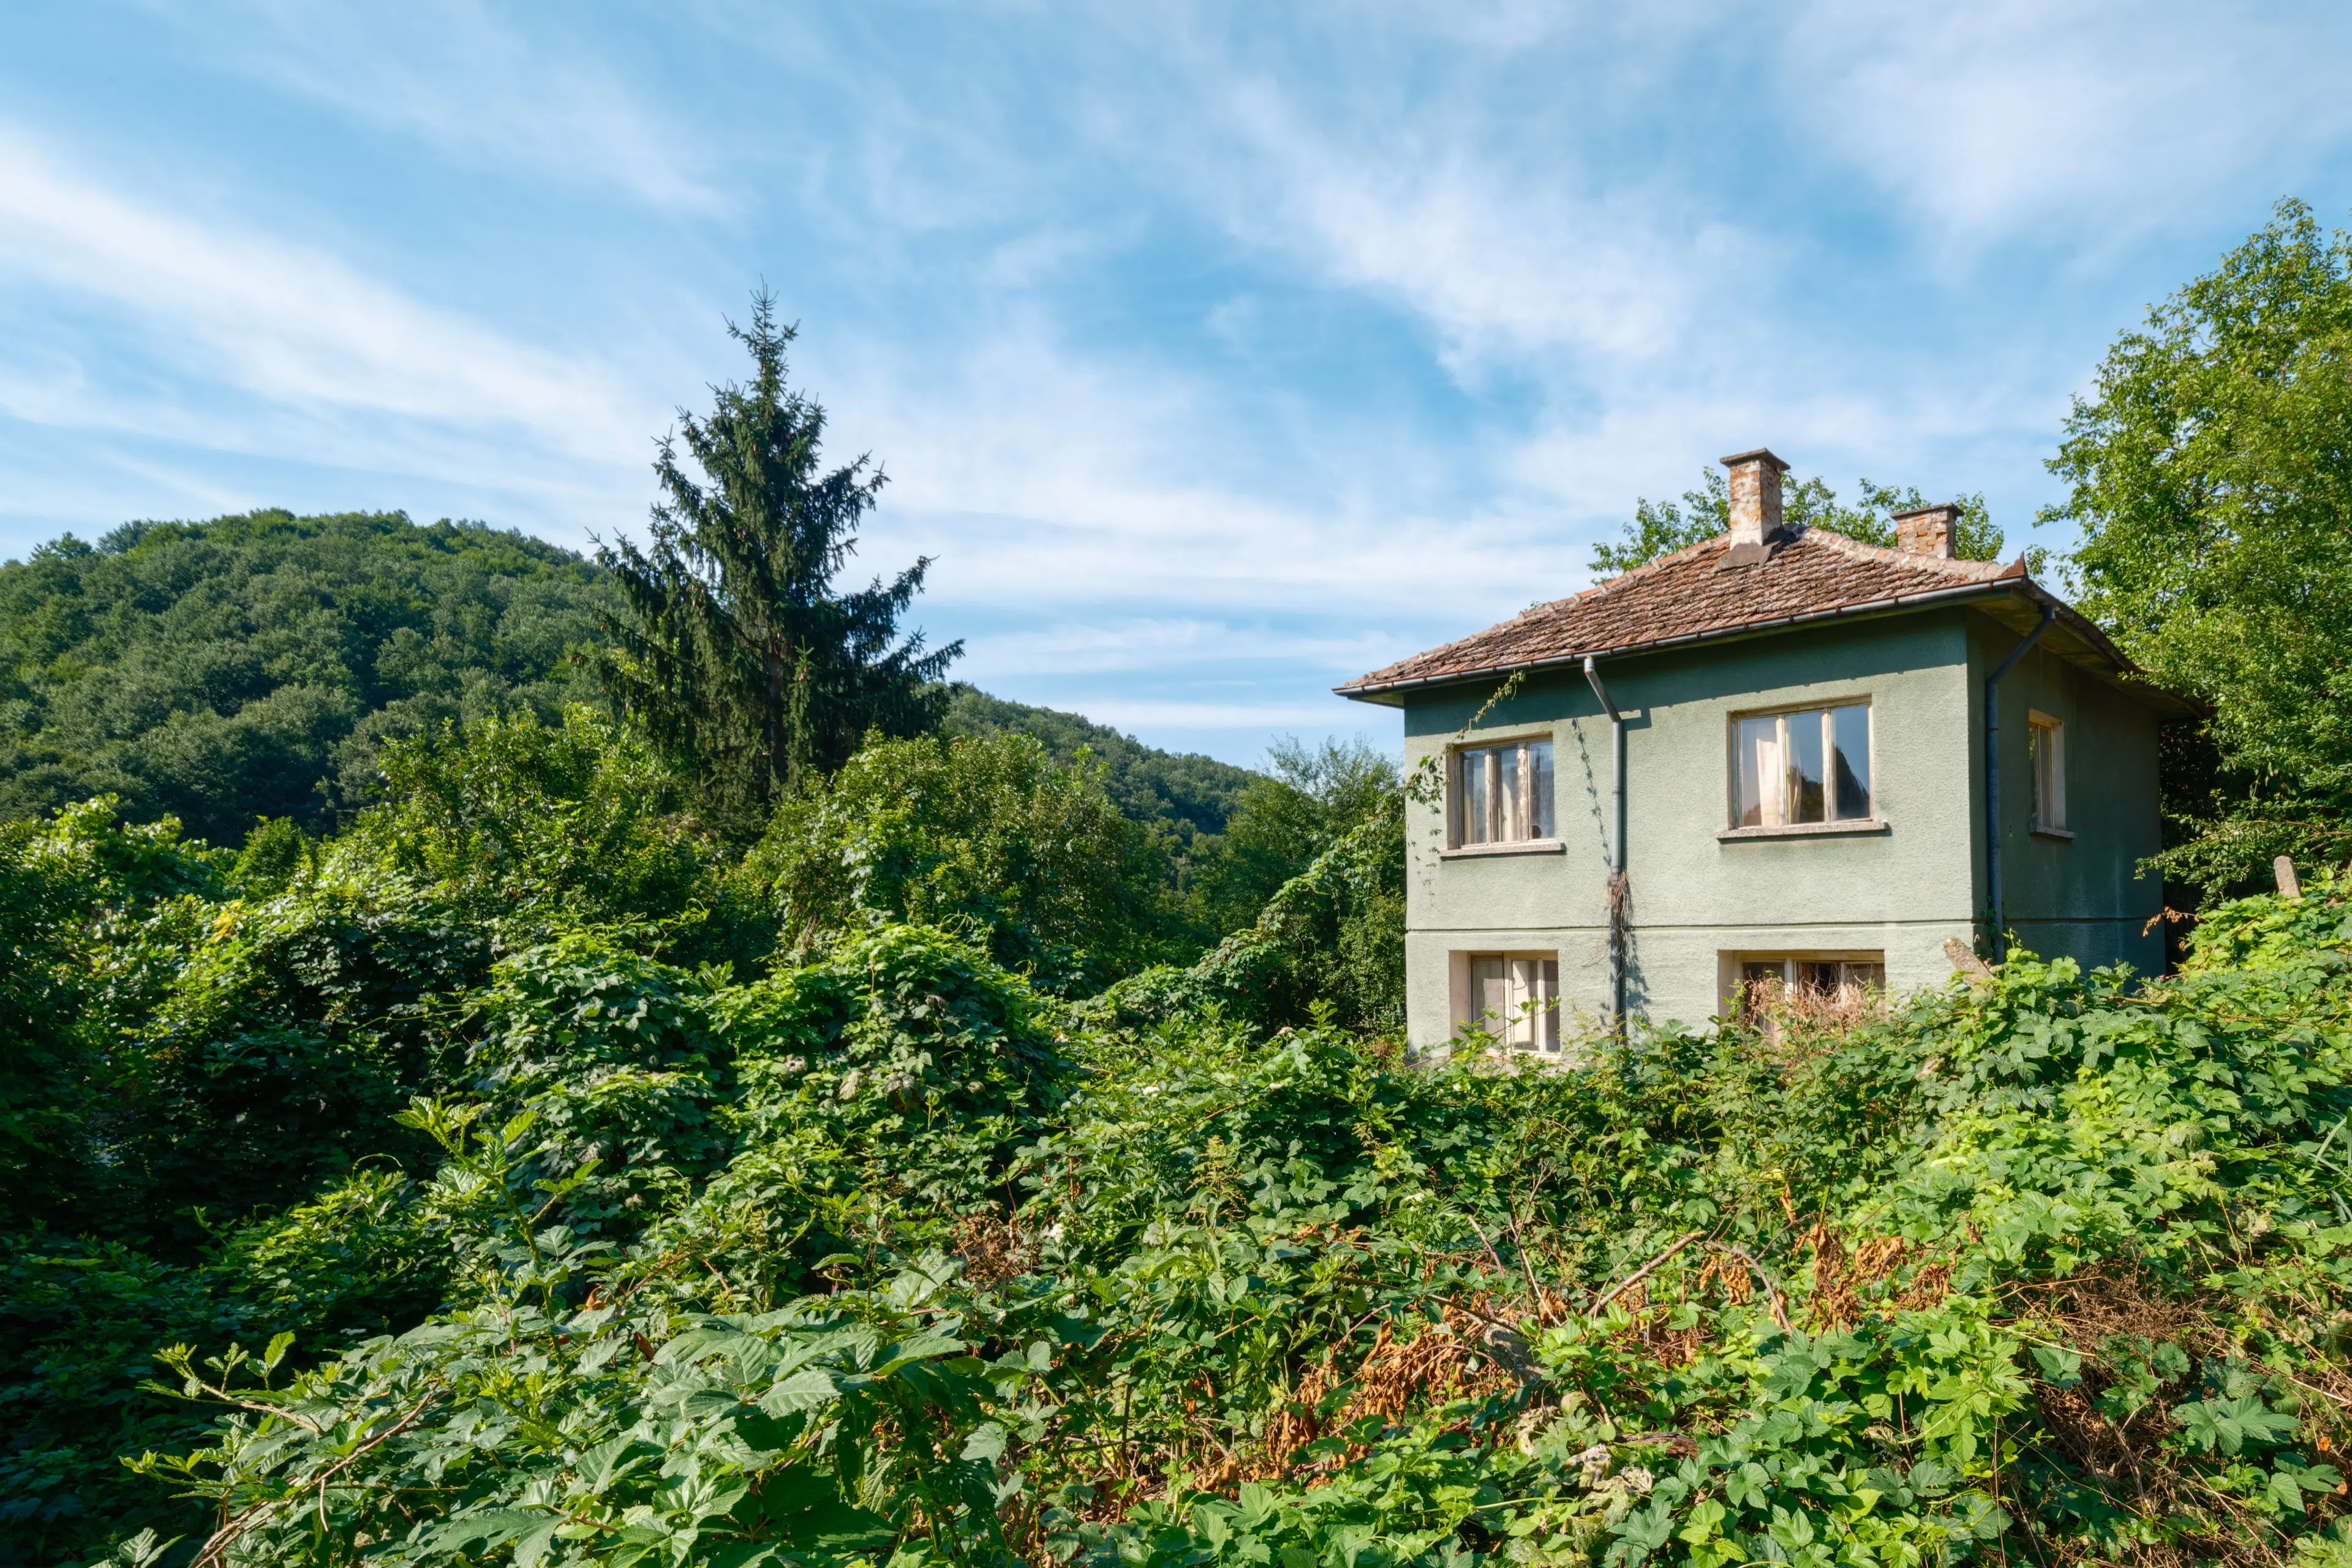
(608, 1244)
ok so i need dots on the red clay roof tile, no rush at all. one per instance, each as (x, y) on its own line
(1692, 593)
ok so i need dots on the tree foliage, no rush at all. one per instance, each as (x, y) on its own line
(736, 652)
(987, 837)
(1661, 528)
(1311, 890)
(524, 829)
(1180, 798)
(2210, 472)
(1307, 800)
(252, 666)
(1227, 839)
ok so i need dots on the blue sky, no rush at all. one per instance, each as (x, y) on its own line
(1217, 353)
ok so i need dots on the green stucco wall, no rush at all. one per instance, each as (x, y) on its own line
(2081, 897)
(1901, 890)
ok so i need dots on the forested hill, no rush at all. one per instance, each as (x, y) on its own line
(1191, 791)
(250, 666)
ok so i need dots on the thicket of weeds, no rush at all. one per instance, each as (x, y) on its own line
(887, 1257)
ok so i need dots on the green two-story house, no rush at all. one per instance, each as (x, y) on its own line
(1779, 755)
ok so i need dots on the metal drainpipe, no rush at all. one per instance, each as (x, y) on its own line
(1992, 781)
(1616, 849)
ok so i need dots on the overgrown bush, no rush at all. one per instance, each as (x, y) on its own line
(883, 1251)
(1328, 943)
(984, 835)
(524, 830)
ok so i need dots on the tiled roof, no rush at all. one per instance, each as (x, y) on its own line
(1695, 593)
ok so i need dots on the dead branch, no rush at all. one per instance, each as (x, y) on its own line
(1641, 1273)
(228, 1534)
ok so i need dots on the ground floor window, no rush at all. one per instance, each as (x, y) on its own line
(1824, 981)
(1514, 996)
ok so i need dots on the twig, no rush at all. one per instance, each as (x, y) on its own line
(1491, 1253)
(1535, 1291)
(225, 1397)
(2331, 1397)
(226, 1535)
(1641, 1273)
(1486, 1318)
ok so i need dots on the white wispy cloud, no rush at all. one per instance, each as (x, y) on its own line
(1153, 642)
(1501, 264)
(2078, 123)
(471, 84)
(1043, 477)
(1097, 280)
(1122, 714)
(363, 371)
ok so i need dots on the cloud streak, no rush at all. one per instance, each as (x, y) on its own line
(2089, 122)
(1215, 353)
(229, 318)
(478, 90)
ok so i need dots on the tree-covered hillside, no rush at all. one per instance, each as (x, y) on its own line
(1191, 793)
(249, 667)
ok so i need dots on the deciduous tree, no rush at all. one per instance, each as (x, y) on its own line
(1662, 527)
(2210, 474)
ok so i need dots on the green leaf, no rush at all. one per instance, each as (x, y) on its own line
(705, 1403)
(2060, 1368)
(531, 1545)
(803, 1390)
(1706, 1517)
(493, 1527)
(2228, 1424)
(986, 1443)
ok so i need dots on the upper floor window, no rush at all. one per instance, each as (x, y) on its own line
(2046, 748)
(1811, 765)
(1503, 794)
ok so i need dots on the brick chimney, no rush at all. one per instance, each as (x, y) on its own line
(1928, 531)
(1755, 505)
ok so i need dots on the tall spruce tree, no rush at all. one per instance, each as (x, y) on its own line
(734, 651)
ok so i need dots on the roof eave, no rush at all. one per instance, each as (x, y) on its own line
(1390, 693)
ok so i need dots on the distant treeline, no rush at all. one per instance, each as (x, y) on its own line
(249, 667)
(252, 668)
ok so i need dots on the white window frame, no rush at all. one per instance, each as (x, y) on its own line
(1458, 759)
(1530, 1019)
(1825, 707)
(2045, 768)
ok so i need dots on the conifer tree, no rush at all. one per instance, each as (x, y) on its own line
(734, 651)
